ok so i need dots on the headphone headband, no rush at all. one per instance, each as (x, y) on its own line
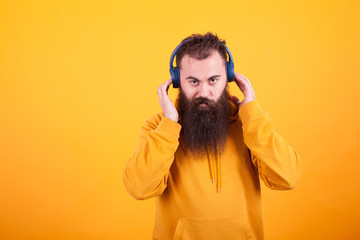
(174, 54)
(229, 53)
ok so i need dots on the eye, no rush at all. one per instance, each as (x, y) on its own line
(194, 82)
(213, 80)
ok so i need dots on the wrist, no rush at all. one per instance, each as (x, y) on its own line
(172, 117)
(248, 100)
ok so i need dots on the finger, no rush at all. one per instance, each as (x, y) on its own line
(168, 83)
(243, 83)
(240, 81)
(165, 85)
(163, 88)
(235, 100)
(238, 75)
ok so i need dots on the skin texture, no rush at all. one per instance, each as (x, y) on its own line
(203, 78)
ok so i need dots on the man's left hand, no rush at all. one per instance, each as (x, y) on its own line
(246, 88)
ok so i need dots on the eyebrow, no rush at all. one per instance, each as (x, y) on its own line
(194, 78)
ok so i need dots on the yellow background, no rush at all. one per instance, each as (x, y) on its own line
(79, 78)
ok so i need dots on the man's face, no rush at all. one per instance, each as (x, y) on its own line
(204, 78)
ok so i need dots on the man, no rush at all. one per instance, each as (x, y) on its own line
(202, 159)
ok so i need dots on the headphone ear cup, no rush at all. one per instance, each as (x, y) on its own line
(230, 71)
(176, 78)
(172, 74)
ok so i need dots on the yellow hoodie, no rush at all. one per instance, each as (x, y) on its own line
(188, 205)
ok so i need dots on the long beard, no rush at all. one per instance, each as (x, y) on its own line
(204, 128)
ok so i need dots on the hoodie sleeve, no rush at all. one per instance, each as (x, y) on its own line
(278, 163)
(146, 172)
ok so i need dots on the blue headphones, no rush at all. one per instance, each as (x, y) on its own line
(175, 73)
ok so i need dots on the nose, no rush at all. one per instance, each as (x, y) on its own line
(203, 90)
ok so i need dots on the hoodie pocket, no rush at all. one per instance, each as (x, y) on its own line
(236, 228)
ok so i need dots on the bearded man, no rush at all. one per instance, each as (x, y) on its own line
(202, 158)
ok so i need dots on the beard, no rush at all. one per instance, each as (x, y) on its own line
(205, 124)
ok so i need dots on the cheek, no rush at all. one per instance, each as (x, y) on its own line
(191, 94)
(188, 91)
(219, 90)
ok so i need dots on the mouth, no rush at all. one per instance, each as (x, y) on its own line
(202, 102)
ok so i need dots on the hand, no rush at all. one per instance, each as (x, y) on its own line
(167, 106)
(246, 88)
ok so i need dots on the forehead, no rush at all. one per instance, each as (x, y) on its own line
(213, 63)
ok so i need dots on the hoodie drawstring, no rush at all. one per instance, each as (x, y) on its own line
(218, 167)
(218, 172)
(211, 165)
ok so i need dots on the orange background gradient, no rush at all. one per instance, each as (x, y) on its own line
(79, 78)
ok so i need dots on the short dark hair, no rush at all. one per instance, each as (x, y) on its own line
(200, 47)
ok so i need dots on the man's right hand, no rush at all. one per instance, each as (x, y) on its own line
(167, 106)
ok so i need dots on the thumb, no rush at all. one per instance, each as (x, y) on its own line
(235, 100)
